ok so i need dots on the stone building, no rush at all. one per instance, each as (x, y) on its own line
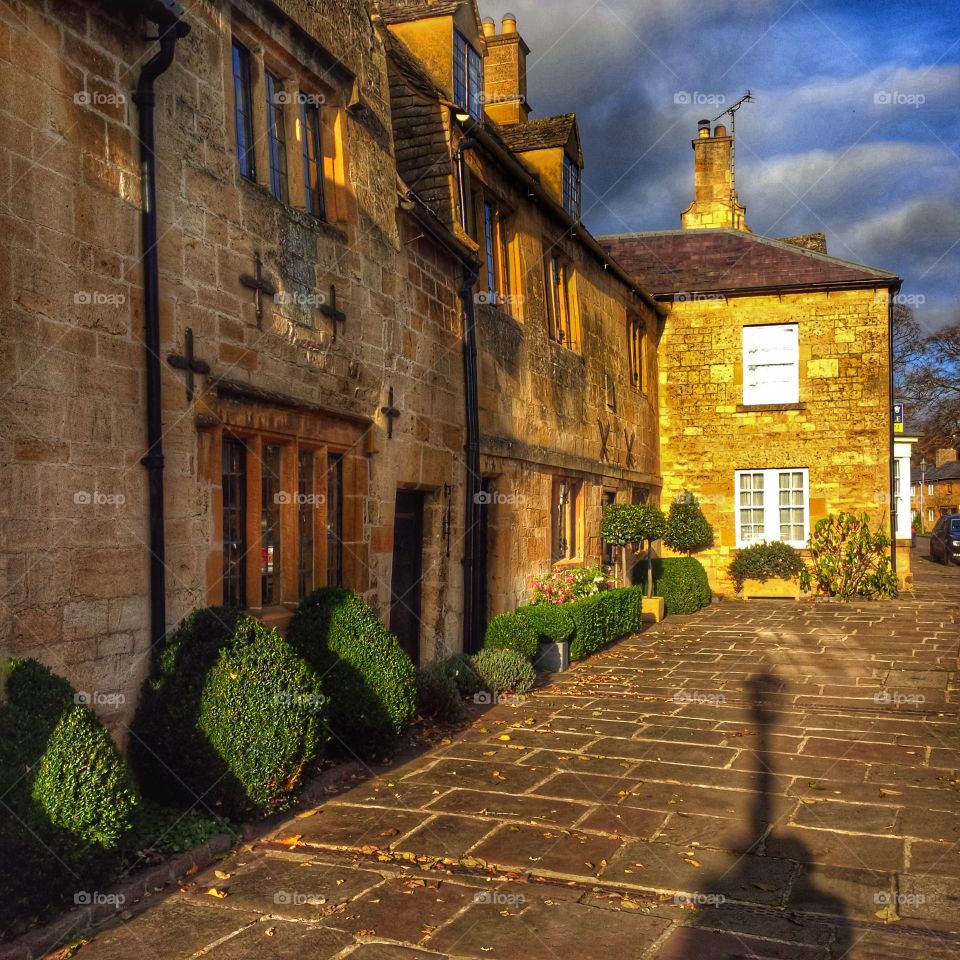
(333, 370)
(935, 487)
(775, 402)
(566, 340)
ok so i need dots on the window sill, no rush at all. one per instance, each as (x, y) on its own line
(568, 351)
(768, 407)
(336, 229)
(568, 564)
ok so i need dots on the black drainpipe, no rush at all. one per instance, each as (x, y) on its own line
(473, 616)
(167, 16)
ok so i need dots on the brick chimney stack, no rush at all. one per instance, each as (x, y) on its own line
(945, 455)
(505, 72)
(715, 204)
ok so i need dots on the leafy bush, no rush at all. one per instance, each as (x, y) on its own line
(624, 524)
(568, 584)
(459, 668)
(850, 560)
(68, 799)
(167, 830)
(370, 680)
(600, 620)
(683, 584)
(551, 622)
(504, 671)
(437, 694)
(687, 527)
(765, 561)
(508, 631)
(229, 716)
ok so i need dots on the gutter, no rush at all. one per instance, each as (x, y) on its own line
(167, 15)
(892, 283)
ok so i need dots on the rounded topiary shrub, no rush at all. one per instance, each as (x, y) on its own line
(683, 584)
(437, 694)
(229, 717)
(551, 621)
(460, 669)
(370, 681)
(68, 799)
(511, 631)
(504, 671)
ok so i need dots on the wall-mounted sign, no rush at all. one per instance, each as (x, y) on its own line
(898, 418)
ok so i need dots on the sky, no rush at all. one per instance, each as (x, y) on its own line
(854, 131)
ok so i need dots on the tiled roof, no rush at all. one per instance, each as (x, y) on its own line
(539, 134)
(948, 471)
(398, 11)
(713, 261)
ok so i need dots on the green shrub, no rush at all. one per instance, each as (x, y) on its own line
(459, 668)
(850, 560)
(687, 528)
(230, 716)
(600, 620)
(67, 797)
(504, 671)
(765, 561)
(512, 632)
(683, 584)
(437, 694)
(624, 524)
(370, 680)
(551, 621)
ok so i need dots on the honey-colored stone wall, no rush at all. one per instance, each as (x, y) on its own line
(839, 430)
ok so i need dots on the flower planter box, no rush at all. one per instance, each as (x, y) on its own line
(774, 588)
(552, 657)
(654, 609)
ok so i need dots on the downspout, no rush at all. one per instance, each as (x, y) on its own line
(891, 293)
(171, 29)
(472, 615)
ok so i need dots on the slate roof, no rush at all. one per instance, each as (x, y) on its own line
(715, 261)
(540, 134)
(400, 11)
(948, 471)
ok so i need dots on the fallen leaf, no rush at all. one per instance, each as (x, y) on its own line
(292, 840)
(222, 875)
(218, 893)
(305, 814)
(888, 914)
(693, 863)
(505, 737)
(884, 792)
(270, 931)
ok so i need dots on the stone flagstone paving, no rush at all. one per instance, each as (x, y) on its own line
(762, 780)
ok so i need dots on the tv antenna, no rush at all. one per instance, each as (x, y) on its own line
(732, 110)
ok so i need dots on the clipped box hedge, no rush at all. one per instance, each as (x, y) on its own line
(603, 618)
(683, 584)
(68, 800)
(229, 717)
(369, 679)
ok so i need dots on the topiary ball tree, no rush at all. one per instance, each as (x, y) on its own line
(369, 679)
(688, 530)
(632, 524)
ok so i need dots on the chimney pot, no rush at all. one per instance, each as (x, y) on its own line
(703, 129)
(509, 24)
(489, 27)
(719, 130)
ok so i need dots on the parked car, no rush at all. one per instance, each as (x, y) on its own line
(945, 539)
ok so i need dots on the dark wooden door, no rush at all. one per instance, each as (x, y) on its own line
(407, 571)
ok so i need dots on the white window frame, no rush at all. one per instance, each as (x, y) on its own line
(771, 505)
(757, 339)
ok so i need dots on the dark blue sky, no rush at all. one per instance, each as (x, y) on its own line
(855, 130)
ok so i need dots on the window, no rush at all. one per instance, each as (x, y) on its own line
(609, 393)
(312, 159)
(772, 505)
(467, 76)
(566, 513)
(771, 364)
(271, 498)
(496, 253)
(913, 489)
(609, 550)
(234, 486)
(335, 519)
(571, 187)
(636, 343)
(306, 521)
(929, 489)
(243, 109)
(276, 137)
(930, 516)
(561, 321)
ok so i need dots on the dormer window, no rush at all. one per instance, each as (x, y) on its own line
(467, 76)
(571, 187)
